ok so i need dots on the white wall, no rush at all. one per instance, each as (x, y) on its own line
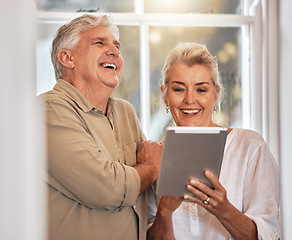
(21, 201)
(286, 113)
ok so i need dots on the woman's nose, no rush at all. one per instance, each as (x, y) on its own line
(190, 98)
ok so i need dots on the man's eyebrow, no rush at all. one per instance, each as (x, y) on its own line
(104, 39)
(117, 43)
(99, 39)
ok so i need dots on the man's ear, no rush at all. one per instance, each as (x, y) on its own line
(65, 57)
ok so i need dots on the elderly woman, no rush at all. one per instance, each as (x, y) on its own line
(244, 203)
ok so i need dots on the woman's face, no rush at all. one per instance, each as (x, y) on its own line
(190, 95)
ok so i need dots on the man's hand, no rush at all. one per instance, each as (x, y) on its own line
(150, 153)
(148, 162)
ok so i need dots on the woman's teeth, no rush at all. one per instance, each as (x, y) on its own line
(190, 111)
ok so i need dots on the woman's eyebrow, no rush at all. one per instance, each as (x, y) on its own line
(199, 83)
(178, 82)
(202, 83)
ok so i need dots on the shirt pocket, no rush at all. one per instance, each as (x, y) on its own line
(130, 154)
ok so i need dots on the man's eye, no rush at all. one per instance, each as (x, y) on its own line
(98, 43)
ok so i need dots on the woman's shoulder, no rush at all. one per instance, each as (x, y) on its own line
(246, 135)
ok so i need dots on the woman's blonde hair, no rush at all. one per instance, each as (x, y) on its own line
(191, 53)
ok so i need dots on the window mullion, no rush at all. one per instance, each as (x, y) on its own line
(139, 6)
(256, 72)
(245, 76)
(145, 78)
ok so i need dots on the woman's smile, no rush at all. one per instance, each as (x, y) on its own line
(191, 95)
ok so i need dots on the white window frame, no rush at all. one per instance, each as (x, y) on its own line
(259, 73)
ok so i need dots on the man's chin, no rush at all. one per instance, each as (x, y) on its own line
(114, 84)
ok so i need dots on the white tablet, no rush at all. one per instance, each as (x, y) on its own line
(188, 152)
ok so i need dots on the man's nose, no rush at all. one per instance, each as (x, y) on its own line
(113, 50)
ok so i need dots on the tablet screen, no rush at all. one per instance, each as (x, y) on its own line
(188, 152)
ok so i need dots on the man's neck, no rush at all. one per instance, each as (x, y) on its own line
(97, 95)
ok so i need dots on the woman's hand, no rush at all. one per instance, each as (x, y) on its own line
(168, 204)
(162, 228)
(215, 201)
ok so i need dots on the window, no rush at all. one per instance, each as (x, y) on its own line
(148, 30)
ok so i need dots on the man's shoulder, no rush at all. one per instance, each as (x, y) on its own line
(125, 110)
(51, 96)
(123, 104)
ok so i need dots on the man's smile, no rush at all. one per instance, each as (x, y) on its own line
(109, 65)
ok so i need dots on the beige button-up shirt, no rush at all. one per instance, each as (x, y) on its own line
(93, 190)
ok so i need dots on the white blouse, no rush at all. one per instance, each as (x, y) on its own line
(250, 176)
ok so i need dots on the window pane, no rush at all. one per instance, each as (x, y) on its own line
(129, 88)
(191, 6)
(45, 71)
(86, 5)
(221, 42)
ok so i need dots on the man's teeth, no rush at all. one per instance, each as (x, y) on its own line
(109, 65)
(190, 111)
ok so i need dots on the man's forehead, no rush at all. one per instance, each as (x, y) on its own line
(99, 32)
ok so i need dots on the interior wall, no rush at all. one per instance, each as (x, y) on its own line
(285, 35)
(22, 200)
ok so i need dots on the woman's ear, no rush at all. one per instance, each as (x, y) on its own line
(217, 91)
(162, 89)
(65, 57)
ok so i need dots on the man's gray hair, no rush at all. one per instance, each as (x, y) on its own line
(68, 36)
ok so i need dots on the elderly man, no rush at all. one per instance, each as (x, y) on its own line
(96, 184)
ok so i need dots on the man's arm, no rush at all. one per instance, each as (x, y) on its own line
(148, 163)
(82, 169)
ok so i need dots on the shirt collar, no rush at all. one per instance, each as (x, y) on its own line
(74, 94)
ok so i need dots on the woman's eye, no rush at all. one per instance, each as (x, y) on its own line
(200, 90)
(178, 90)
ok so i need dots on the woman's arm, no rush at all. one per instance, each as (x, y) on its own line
(162, 228)
(236, 223)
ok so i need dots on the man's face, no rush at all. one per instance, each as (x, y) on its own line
(97, 59)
